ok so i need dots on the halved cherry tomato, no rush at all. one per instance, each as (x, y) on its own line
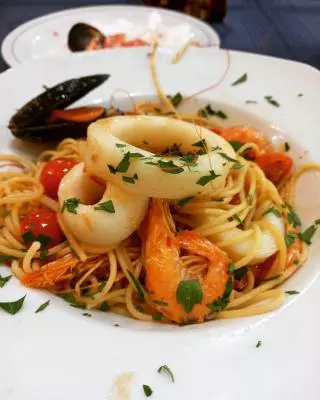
(42, 222)
(80, 114)
(274, 165)
(52, 173)
(260, 271)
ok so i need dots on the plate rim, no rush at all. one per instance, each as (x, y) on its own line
(7, 46)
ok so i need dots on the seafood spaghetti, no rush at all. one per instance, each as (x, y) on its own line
(156, 215)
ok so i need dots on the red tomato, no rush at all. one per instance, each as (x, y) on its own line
(261, 270)
(42, 222)
(52, 173)
(274, 165)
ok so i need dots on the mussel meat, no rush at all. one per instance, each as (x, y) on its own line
(83, 37)
(43, 119)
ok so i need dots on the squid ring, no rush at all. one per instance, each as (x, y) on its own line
(92, 224)
(127, 151)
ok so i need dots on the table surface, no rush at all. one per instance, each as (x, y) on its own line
(281, 28)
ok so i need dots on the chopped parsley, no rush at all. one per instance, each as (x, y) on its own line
(251, 102)
(300, 94)
(272, 101)
(221, 302)
(231, 267)
(290, 238)
(237, 218)
(272, 210)
(272, 278)
(184, 201)
(219, 200)
(226, 157)
(104, 306)
(157, 316)
(189, 293)
(43, 306)
(293, 218)
(71, 205)
(201, 143)
(136, 284)
(188, 158)
(236, 145)
(317, 221)
(307, 235)
(4, 280)
(106, 206)
(160, 303)
(176, 99)
(120, 145)
(286, 146)
(243, 78)
(124, 164)
(7, 258)
(240, 273)
(292, 292)
(207, 178)
(169, 167)
(164, 369)
(147, 390)
(259, 343)
(87, 314)
(112, 169)
(12, 307)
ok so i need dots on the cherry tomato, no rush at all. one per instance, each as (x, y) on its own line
(42, 222)
(274, 165)
(260, 271)
(52, 173)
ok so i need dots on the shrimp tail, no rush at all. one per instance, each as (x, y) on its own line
(51, 274)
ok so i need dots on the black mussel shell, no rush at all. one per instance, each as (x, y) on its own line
(36, 111)
(53, 133)
(81, 34)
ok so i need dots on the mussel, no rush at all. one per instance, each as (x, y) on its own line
(83, 37)
(43, 119)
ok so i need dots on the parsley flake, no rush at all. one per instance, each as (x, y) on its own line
(124, 164)
(243, 78)
(236, 145)
(112, 169)
(147, 390)
(240, 273)
(157, 316)
(87, 315)
(128, 179)
(184, 201)
(272, 210)
(43, 306)
(4, 280)
(251, 102)
(176, 99)
(207, 178)
(7, 258)
(136, 284)
(237, 218)
(286, 146)
(292, 292)
(106, 206)
(221, 302)
(259, 343)
(12, 307)
(272, 101)
(189, 293)
(164, 369)
(307, 235)
(226, 157)
(71, 205)
(104, 306)
(271, 278)
(293, 218)
(290, 238)
(169, 167)
(120, 145)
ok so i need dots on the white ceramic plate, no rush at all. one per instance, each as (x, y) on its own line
(47, 36)
(60, 354)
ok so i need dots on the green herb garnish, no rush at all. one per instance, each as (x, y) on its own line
(7, 258)
(43, 306)
(240, 273)
(164, 369)
(124, 164)
(188, 158)
(307, 235)
(136, 284)
(293, 218)
(184, 201)
(4, 280)
(291, 292)
(243, 78)
(71, 205)
(272, 278)
(157, 316)
(272, 101)
(147, 390)
(259, 343)
(236, 145)
(272, 210)
(120, 145)
(221, 302)
(231, 267)
(160, 303)
(169, 167)
(43, 254)
(104, 306)
(251, 102)
(189, 293)
(207, 178)
(286, 146)
(12, 307)
(87, 315)
(176, 99)
(106, 206)
(300, 94)
(112, 169)
(237, 218)
(226, 157)
(289, 238)
(201, 143)
(128, 179)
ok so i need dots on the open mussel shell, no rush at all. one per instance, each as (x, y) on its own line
(30, 122)
(81, 35)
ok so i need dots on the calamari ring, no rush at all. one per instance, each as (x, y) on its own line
(98, 227)
(110, 139)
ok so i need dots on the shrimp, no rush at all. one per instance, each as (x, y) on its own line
(246, 134)
(165, 270)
